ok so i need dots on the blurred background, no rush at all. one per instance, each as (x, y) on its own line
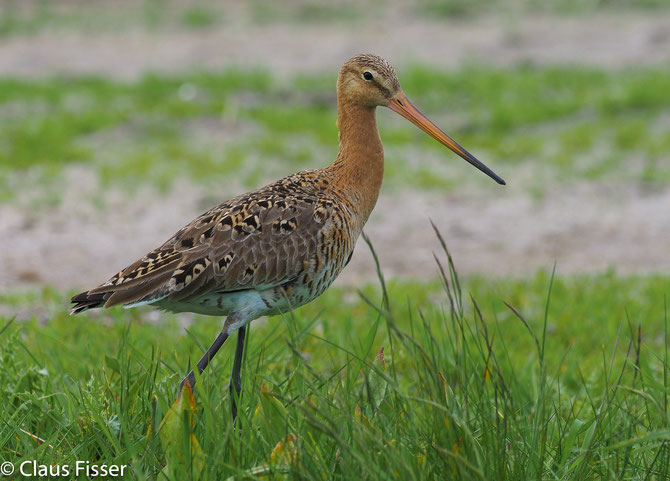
(122, 120)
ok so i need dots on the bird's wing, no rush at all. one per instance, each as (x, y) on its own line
(255, 241)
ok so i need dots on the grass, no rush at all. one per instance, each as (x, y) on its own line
(464, 8)
(561, 124)
(569, 382)
(29, 17)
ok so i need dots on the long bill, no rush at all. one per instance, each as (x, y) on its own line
(400, 103)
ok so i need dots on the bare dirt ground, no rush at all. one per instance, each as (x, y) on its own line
(502, 232)
(496, 232)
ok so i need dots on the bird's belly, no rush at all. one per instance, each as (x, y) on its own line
(308, 286)
(249, 302)
(317, 276)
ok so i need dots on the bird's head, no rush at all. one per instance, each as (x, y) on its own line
(370, 81)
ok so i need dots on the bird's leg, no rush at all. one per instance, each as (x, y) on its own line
(235, 385)
(204, 361)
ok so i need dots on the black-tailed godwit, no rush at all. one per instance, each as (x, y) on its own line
(281, 246)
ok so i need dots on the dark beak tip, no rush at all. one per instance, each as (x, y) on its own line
(501, 181)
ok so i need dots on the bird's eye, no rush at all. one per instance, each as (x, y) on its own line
(367, 75)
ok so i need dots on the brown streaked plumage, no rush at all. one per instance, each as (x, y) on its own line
(280, 246)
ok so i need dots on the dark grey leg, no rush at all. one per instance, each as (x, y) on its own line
(204, 361)
(236, 378)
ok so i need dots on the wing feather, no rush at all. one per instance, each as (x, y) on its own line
(258, 240)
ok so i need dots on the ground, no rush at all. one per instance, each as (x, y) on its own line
(582, 228)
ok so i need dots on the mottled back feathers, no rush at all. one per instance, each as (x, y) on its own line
(258, 240)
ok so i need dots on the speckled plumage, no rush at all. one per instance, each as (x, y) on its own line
(282, 245)
(277, 247)
(287, 241)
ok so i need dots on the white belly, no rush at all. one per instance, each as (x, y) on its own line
(248, 303)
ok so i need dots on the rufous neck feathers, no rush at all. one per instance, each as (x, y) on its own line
(360, 161)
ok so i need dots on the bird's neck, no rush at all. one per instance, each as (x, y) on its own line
(359, 166)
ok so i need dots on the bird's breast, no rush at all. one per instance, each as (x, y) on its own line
(334, 248)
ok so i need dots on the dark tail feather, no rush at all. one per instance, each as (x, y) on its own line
(85, 301)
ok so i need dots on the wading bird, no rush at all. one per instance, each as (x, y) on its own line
(281, 246)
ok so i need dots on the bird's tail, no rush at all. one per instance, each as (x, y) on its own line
(85, 301)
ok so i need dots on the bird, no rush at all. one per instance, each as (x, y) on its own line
(281, 246)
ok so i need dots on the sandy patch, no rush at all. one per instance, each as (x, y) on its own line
(497, 231)
(582, 228)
